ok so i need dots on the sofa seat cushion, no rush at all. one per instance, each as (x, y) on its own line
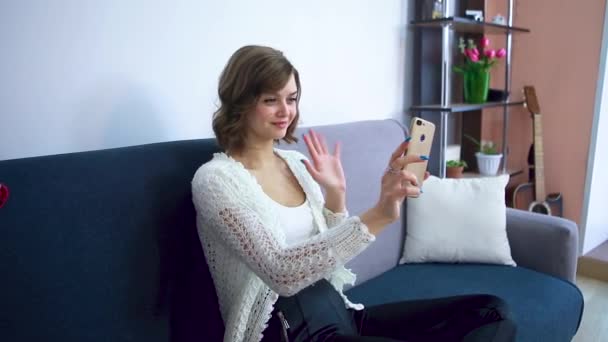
(544, 308)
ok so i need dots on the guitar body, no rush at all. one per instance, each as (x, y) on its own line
(540, 207)
(523, 199)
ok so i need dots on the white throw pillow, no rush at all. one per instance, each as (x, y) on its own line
(458, 220)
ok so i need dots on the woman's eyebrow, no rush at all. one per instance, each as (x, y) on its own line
(279, 94)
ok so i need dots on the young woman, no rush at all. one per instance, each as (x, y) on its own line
(276, 246)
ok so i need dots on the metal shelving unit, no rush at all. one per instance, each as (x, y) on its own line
(468, 25)
(463, 107)
(449, 23)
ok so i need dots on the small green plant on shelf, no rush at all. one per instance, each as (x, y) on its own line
(454, 168)
(456, 163)
(488, 157)
(485, 147)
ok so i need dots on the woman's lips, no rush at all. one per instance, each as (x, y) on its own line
(282, 124)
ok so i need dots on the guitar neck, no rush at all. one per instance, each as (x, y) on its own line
(539, 166)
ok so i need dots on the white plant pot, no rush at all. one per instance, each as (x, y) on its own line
(488, 163)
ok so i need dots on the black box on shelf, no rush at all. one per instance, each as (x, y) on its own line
(497, 95)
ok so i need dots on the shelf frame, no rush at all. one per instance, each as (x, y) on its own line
(461, 24)
(446, 83)
(511, 172)
(449, 23)
(463, 107)
(505, 121)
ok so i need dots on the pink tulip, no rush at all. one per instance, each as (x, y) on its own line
(490, 53)
(485, 42)
(501, 53)
(474, 58)
(469, 53)
(472, 53)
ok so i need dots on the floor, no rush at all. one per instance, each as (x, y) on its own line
(594, 326)
(600, 252)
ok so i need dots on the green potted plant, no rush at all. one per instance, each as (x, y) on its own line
(454, 168)
(488, 157)
(476, 68)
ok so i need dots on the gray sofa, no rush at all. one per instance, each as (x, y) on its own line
(102, 246)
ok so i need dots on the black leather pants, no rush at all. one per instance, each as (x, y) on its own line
(317, 313)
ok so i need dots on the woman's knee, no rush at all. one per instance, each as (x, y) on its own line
(493, 307)
(494, 317)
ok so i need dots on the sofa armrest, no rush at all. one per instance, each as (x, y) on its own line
(543, 243)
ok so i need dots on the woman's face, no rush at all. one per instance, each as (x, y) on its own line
(273, 113)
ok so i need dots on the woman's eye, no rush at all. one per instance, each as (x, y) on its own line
(271, 100)
(293, 99)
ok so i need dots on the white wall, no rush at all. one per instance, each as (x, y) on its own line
(595, 213)
(596, 231)
(82, 74)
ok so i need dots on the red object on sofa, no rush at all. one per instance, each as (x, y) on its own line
(3, 194)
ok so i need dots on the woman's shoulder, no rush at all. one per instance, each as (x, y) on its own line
(221, 166)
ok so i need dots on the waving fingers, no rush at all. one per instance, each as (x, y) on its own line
(338, 150)
(316, 144)
(321, 142)
(312, 149)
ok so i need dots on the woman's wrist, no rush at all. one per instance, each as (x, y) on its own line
(375, 220)
(335, 200)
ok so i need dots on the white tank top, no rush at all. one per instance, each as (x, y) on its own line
(297, 222)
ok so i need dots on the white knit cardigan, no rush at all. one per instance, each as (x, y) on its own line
(245, 247)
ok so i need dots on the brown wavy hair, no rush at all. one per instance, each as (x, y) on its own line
(251, 71)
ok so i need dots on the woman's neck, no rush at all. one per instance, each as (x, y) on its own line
(256, 157)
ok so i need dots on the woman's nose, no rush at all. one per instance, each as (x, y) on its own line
(284, 108)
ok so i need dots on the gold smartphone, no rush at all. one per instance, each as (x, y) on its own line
(421, 134)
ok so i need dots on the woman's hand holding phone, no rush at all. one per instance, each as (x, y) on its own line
(421, 141)
(397, 183)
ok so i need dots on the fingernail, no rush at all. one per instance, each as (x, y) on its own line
(424, 157)
(408, 139)
(421, 190)
(302, 160)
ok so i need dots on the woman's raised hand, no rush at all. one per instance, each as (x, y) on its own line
(326, 168)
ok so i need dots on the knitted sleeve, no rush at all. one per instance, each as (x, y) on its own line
(334, 219)
(286, 270)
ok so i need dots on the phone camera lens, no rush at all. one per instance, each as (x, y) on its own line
(422, 137)
(418, 122)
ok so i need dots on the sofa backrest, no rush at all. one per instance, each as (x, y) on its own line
(102, 245)
(366, 149)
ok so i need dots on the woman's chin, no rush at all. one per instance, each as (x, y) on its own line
(279, 133)
(279, 136)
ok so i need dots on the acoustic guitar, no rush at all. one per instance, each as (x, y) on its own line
(539, 202)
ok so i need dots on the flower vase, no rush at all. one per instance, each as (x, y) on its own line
(476, 86)
(488, 163)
